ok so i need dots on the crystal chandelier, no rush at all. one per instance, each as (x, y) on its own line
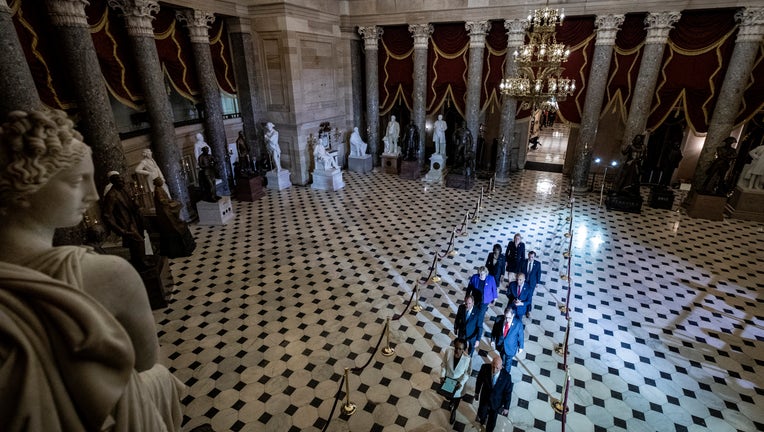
(539, 72)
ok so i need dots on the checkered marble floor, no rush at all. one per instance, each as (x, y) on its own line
(666, 313)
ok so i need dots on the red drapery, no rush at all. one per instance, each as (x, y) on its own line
(624, 66)
(447, 67)
(221, 56)
(396, 68)
(493, 66)
(578, 34)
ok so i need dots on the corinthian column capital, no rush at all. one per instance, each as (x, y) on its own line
(607, 27)
(751, 24)
(68, 13)
(198, 24)
(371, 35)
(658, 26)
(421, 33)
(138, 15)
(515, 31)
(478, 30)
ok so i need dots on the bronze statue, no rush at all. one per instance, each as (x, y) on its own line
(123, 217)
(411, 141)
(463, 143)
(716, 174)
(207, 174)
(628, 181)
(245, 163)
(175, 240)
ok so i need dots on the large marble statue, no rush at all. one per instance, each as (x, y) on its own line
(207, 175)
(357, 146)
(752, 176)
(123, 217)
(149, 168)
(463, 143)
(628, 180)
(322, 159)
(175, 240)
(274, 150)
(80, 343)
(716, 174)
(245, 163)
(392, 133)
(439, 135)
(411, 143)
(199, 145)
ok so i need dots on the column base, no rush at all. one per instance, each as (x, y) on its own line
(747, 204)
(701, 206)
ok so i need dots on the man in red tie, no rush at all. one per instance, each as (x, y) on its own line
(519, 294)
(508, 336)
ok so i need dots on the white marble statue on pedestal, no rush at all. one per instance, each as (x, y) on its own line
(199, 145)
(752, 176)
(392, 134)
(439, 135)
(149, 168)
(323, 160)
(357, 146)
(274, 150)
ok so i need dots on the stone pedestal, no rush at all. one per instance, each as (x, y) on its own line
(278, 180)
(327, 180)
(437, 168)
(701, 206)
(249, 189)
(158, 281)
(746, 204)
(459, 181)
(661, 198)
(409, 170)
(623, 202)
(360, 164)
(391, 164)
(219, 212)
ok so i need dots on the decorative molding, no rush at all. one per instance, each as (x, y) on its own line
(607, 28)
(138, 15)
(751, 25)
(478, 30)
(659, 25)
(421, 33)
(515, 31)
(371, 35)
(198, 24)
(68, 13)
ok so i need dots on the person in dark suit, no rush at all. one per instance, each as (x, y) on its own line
(532, 269)
(466, 323)
(496, 264)
(520, 294)
(493, 391)
(508, 336)
(515, 254)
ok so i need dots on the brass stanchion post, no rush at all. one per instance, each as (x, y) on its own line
(416, 307)
(452, 250)
(349, 408)
(388, 350)
(435, 278)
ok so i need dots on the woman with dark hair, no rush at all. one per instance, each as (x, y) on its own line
(496, 264)
(457, 367)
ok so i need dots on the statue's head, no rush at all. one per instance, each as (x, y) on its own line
(146, 154)
(269, 125)
(440, 116)
(392, 118)
(199, 137)
(34, 147)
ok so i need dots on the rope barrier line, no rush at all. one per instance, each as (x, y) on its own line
(396, 317)
(337, 397)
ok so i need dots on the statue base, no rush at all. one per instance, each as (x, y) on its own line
(459, 181)
(437, 168)
(661, 198)
(249, 189)
(701, 206)
(391, 164)
(278, 180)
(219, 212)
(360, 164)
(410, 170)
(158, 281)
(747, 204)
(328, 180)
(623, 202)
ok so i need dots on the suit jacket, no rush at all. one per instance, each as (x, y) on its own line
(466, 326)
(525, 295)
(485, 295)
(513, 341)
(495, 396)
(515, 255)
(460, 371)
(532, 277)
(497, 271)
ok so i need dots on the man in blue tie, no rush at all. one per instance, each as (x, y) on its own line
(532, 269)
(493, 391)
(466, 324)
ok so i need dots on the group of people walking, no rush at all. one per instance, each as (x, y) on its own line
(493, 387)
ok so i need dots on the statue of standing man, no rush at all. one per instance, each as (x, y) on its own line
(272, 138)
(439, 135)
(392, 134)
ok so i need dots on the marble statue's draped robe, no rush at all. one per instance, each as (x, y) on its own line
(66, 364)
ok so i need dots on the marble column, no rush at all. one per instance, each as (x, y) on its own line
(607, 27)
(371, 36)
(658, 27)
(421, 33)
(138, 15)
(356, 74)
(197, 22)
(243, 56)
(17, 85)
(96, 118)
(747, 45)
(515, 38)
(477, 30)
